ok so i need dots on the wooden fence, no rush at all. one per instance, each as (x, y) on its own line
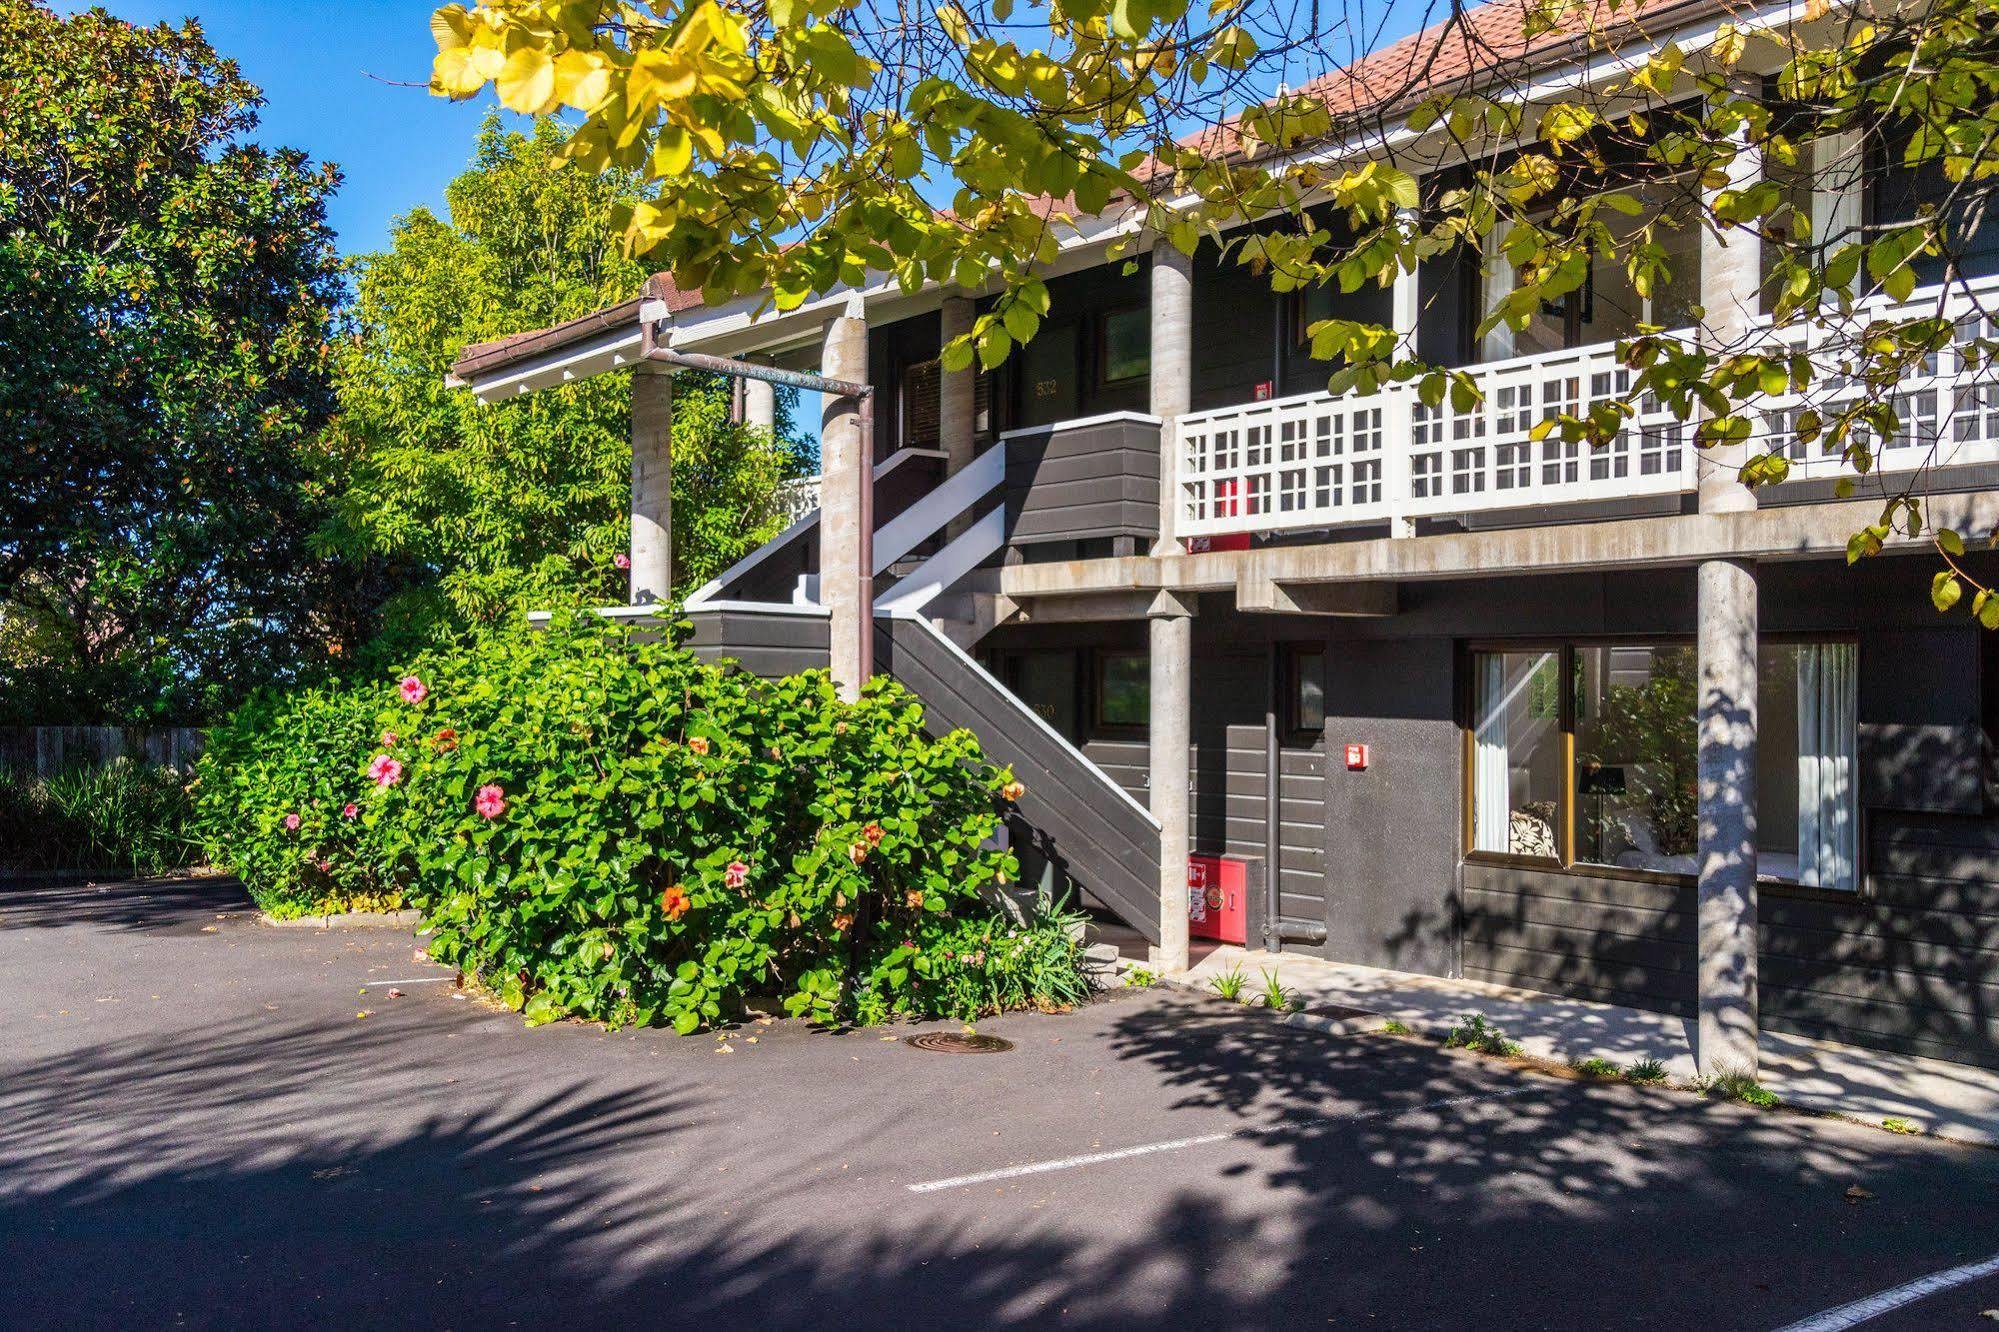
(43, 750)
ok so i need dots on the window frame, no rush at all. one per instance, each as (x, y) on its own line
(1101, 346)
(1099, 658)
(1290, 710)
(1566, 862)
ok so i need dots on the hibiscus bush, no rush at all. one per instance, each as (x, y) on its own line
(596, 823)
(278, 797)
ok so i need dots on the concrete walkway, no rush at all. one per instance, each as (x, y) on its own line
(1950, 1100)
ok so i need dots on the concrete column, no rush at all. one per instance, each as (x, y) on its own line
(652, 484)
(1172, 376)
(1726, 850)
(1731, 280)
(760, 404)
(1731, 274)
(1171, 736)
(846, 594)
(957, 399)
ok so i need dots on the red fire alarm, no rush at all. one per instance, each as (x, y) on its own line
(1356, 758)
(1265, 391)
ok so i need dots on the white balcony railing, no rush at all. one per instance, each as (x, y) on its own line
(1319, 461)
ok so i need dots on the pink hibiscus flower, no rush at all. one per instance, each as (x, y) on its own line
(491, 801)
(291, 823)
(622, 560)
(351, 811)
(385, 771)
(389, 739)
(736, 875)
(414, 690)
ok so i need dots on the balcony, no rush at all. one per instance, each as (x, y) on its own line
(1317, 461)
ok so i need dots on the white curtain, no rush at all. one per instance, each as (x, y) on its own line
(1828, 813)
(1492, 787)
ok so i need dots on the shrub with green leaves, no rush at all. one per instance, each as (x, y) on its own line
(598, 824)
(123, 816)
(279, 794)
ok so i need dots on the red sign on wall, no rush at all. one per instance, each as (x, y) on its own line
(1357, 758)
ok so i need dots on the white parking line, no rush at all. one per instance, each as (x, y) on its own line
(420, 980)
(1861, 1311)
(1200, 1140)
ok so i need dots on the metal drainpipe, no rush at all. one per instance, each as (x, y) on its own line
(1273, 798)
(650, 350)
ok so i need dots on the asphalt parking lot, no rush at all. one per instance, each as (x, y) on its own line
(199, 1127)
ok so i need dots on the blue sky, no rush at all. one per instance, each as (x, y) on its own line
(322, 65)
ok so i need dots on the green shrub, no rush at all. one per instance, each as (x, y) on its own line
(297, 757)
(1475, 1032)
(600, 825)
(124, 816)
(985, 964)
(1596, 1067)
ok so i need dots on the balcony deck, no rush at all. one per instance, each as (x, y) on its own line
(1319, 461)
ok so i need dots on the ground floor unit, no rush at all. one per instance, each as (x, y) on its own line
(1500, 781)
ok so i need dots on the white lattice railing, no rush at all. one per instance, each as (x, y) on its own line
(1318, 461)
(797, 497)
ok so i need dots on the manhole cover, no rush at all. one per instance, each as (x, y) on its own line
(958, 1042)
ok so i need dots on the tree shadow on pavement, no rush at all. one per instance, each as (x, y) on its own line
(149, 906)
(208, 1177)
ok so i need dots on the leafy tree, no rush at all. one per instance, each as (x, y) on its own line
(523, 504)
(790, 147)
(166, 295)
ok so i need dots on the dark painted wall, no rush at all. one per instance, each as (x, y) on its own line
(1392, 831)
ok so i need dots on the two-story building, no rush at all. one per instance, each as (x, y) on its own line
(1601, 722)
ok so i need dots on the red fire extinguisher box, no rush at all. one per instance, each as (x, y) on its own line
(1218, 899)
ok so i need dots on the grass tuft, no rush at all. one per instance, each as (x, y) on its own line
(1646, 1070)
(1476, 1033)
(1595, 1067)
(1739, 1087)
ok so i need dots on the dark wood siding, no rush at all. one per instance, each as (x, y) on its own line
(1095, 481)
(1101, 841)
(1616, 941)
(769, 646)
(1912, 964)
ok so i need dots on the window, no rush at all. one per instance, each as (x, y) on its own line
(1124, 690)
(1309, 306)
(1636, 786)
(1046, 682)
(1305, 690)
(1807, 807)
(1629, 795)
(1516, 779)
(1127, 345)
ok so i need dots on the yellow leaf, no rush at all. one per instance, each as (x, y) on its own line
(455, 74)
(674, 152)
(451, 27)
(527, 82)
(582, 79)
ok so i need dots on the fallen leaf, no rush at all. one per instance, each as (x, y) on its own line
(1855, 1194)
(395, 994)
(725, 1049)
(363, 1013)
